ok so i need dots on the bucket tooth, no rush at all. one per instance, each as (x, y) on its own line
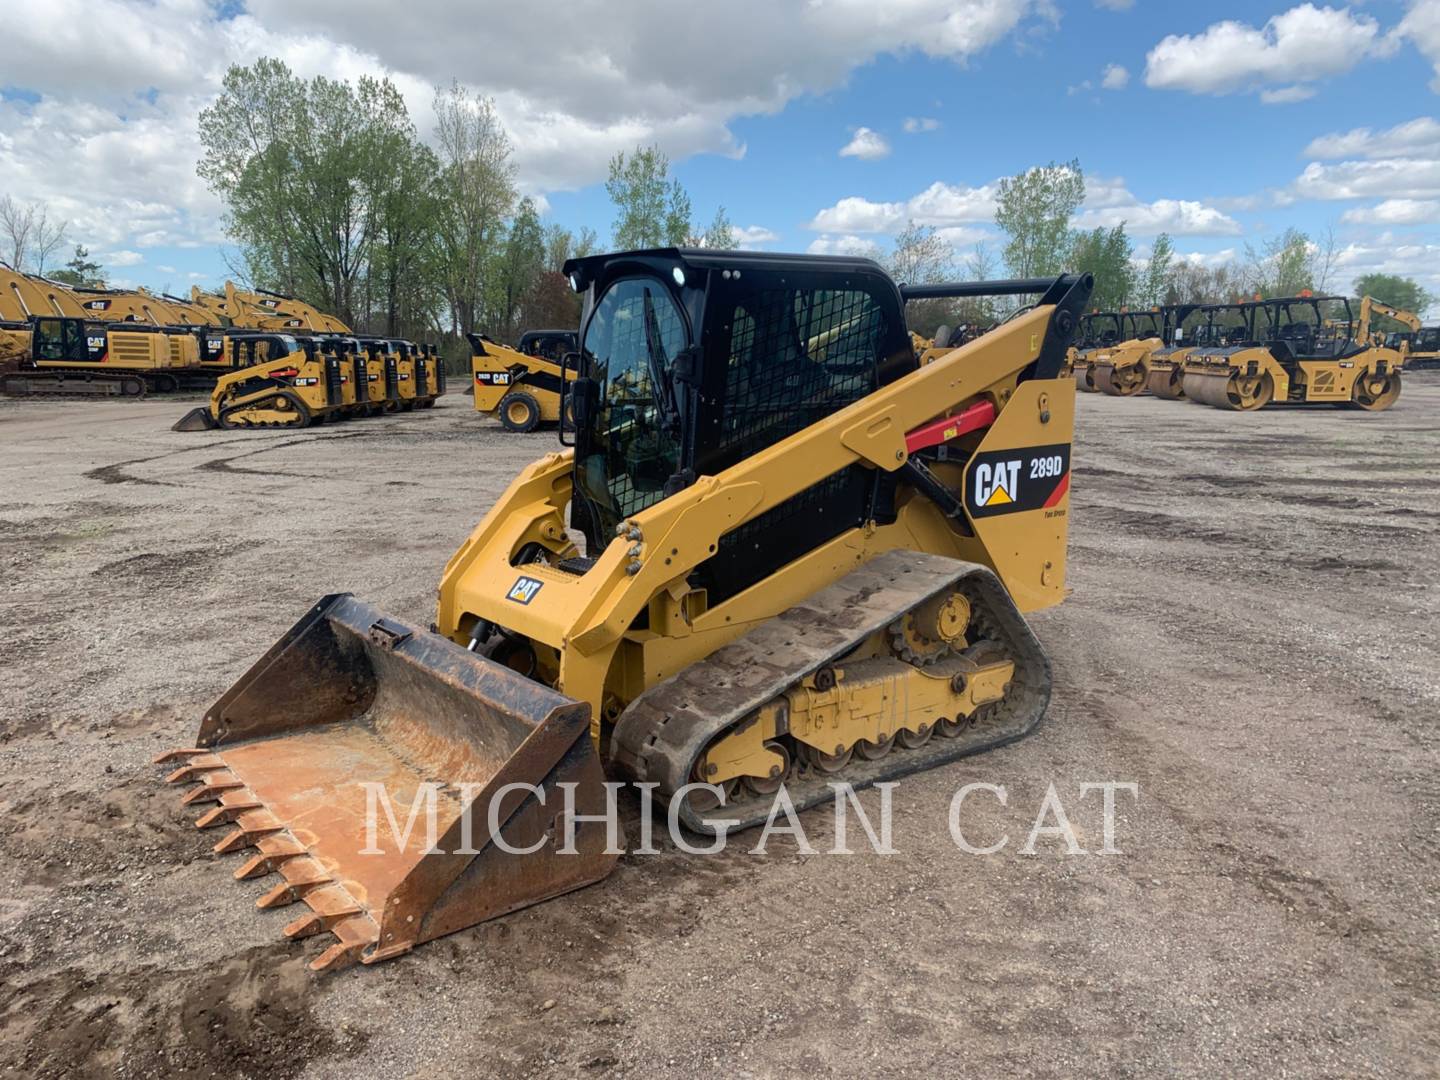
(274, 849)
(224, 814)
(192, 769)
(183, 753)
(213, 786)
(301, 876)
(328, 906)
(355, 934)
(251, 826)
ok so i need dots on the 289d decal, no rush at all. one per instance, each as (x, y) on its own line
(1023, 478)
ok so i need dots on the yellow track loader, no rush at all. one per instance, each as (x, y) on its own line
(1302, 349)
(806, 559)
(521, 385)
(1421, 346)
(287, 382)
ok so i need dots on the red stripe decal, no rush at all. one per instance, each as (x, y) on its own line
(1059, 493)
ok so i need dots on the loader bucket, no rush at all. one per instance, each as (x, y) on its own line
(346, 730)
(195, 420)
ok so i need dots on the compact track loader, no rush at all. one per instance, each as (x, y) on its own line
(281, 381)
(1303, 350)
(520, 385)
(806, 559)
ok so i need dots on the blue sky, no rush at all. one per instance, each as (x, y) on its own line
(1227, 124)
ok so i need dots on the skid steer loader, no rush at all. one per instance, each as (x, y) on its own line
(1302, 349)
(806, 560)
(521, 385)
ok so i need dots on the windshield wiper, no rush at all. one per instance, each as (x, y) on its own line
(664, 393)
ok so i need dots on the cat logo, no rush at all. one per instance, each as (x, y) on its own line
(996, 483)
(524, 590)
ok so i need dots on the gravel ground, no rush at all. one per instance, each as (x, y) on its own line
(1250, 640)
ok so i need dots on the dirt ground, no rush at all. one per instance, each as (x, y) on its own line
(1251, 640)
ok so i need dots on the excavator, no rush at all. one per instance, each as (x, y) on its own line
(1302, 349)
(521, 385)
(260, 309)
(1214, 326)
(1123, 369)
(806, 559)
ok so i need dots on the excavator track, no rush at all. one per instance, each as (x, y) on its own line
(663, 734)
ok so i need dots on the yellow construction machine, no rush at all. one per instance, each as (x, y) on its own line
(260, 309)
(520, 385)
(1202, 327)
(1421, 346)
(280, 381)
(1123, 370)
(1303, 349)
(806, 559)
(1098, 330)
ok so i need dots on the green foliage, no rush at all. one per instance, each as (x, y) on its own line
(1155, 282)
(1284, 265)
(81, 271)
(1401, 292)
(651, 209)
(721, 234)
(1106, 253)
(1034, 209)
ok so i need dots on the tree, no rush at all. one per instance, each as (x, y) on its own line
(27, 235)
(520, 264)
(1283, 266)
(720, 234)
(1401, 292)
(1156, 280)
(80, 271)
(477, 195)
(1106, 253)
(921, 256)
(1034, 209)
(301, 168)
(652, 210)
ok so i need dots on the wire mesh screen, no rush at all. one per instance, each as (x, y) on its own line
(795, 357)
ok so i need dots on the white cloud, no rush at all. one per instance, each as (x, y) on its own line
(843, 245)
(866, 145)
(753, 236)
(1400, 178)
(1388, 254)
(1421, 26)
(1108, 202)
(1115, 5)
(1414, 138)
(1301, 45)
(121, 258)
(1207, 259)
(1115, 77)
(1395, 212)
(940, 205)
(1287, 95)
(112, 144)
(914, 125)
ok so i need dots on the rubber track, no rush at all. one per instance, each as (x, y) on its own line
(662, 733)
